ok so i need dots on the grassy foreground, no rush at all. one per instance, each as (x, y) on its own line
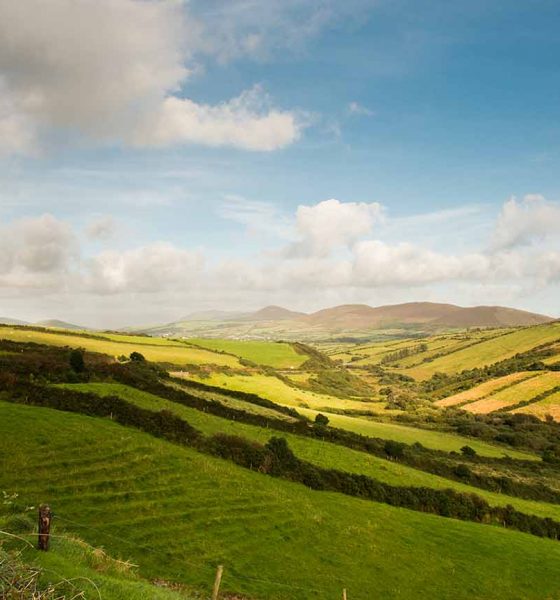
(178, 513)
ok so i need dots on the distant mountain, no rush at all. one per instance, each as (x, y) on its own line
(276, 322)
(9, 321)
(494, 316)
(58, 324)
(362, 316)
(213, 315)
(274, 313)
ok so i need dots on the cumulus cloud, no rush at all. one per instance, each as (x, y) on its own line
(101, 228)
(522, 222)
(245, 122)
(39, 253)
(337, 254)
(331, 223)
(153, 268)
(110, 70)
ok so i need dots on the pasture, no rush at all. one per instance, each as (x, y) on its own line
(172, 352)
(177, 513)
(280, 392)
(488, 351)
(322, 454)
(520, 392)
(279, 355)
(485, 389)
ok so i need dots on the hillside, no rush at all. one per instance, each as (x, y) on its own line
(275, 322)
(151, 513)
(57, 324)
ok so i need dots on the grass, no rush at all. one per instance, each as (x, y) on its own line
(520, 392)
(315, 451)
(72, 566)
(488, 351)
(279, 355)
(178, 513)
(548, 406)
(276, 390)
(437, 440)
(279, 392)
(484, 389)
(174, 353)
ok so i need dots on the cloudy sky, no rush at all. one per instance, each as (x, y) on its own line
(159, 157)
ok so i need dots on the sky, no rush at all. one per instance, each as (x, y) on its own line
(161, 157)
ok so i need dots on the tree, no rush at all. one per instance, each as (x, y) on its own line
(394, 449)
(137, 357)
(468, 451)
(77, 361)
(321, 420)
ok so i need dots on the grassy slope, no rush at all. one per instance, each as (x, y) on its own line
(548, 406)
(489, 351)
(290, 396)
(484, 389)
(525, 390)
(275, 389)
(315, 451)
(87, 569)
(172, 352)
(177, 513)
(273, 354)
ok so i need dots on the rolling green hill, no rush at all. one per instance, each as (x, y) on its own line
(177, 513)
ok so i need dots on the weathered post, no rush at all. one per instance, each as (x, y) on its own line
(44, 527)
(217, 582)
(344, 594)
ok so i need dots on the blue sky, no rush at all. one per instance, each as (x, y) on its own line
(190, 155)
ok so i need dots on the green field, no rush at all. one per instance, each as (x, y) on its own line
(177, 514)
(315, 451)
(489, 351)
(73, 566)
(279, 355)
(277, 391)
(161, 351)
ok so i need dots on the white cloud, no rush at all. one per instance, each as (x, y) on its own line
(338, 256)
(101, 228)
(355, 108)
(244, 122)
(37, 253)
(522, 222)
(154, 268)
(109, 71)
(331, 223)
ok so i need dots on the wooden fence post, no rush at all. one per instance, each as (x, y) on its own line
(217, 582)
(344, 594)
(44, 527)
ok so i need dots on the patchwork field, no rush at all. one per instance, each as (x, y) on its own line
(276, 390)
(485, 389)
(279, 355)
(177, 514)
(542, 409)
(520, 392)
(161, 351)
(489, 351)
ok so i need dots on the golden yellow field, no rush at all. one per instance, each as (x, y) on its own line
(484, 389)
